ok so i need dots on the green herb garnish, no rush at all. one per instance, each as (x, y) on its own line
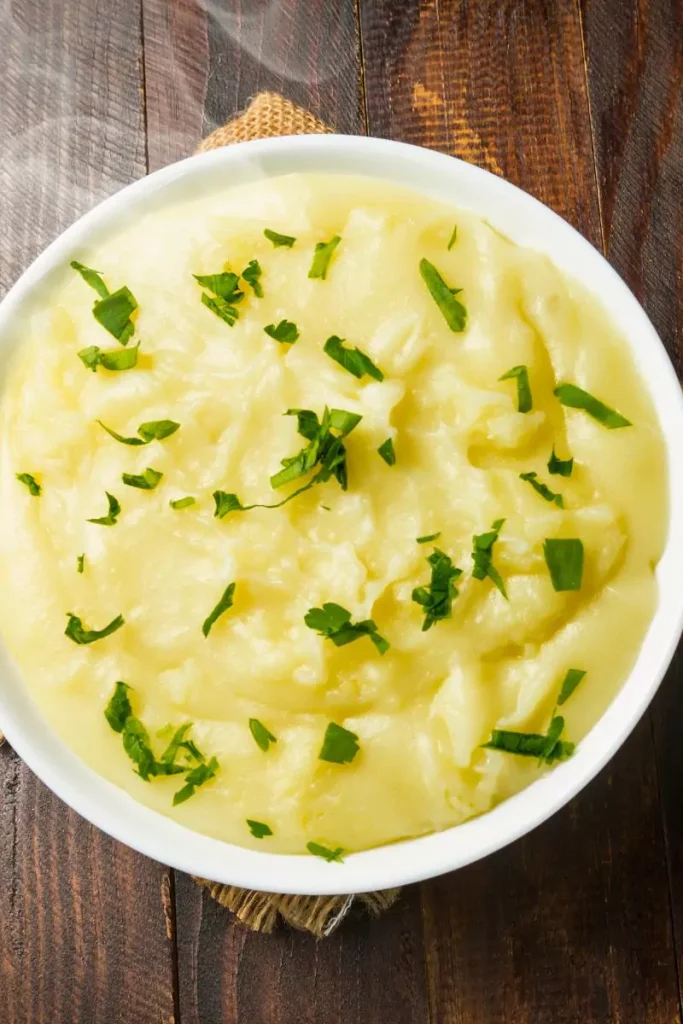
(259, 829)
(195, 778)
(437, 599)
(521, 375)
(277, 239)
(91, 277)
(113, 313)
(428, 537)
(76, 631)
(340, 746)
(119, 707)
(576, 398)
(31, 482)
(252, 275)
(226, 294)
(569, 684)
(564, 559)
(322, 851)
(111, 359)
(146, 481)
(452, 239)
(136, 744)
(334, 622)
(547, 748)
(386, 450)
(482, 556)
(325, 449)
(112, 515)
(352, 359)
(542, 489)
(178, 742)
(560, 467)
(182, 502)
(154, 430)
(322, 256)
(454, 313)
(285, 332)
(80, 563)
(262, 736)
(223, 605)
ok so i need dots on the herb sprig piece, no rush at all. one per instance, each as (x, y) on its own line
(285, 332)
(322, 851)
(113, 309)
(223, 605)
(542, 489)
(145, 481)
(521, 375)
(569, 684)
(225, 294)
(31, 482)
(153, 430)
(76, 631)
(325, 449)
(560, 467)
(279, 240)
(564, 558)
(259, 829)
(427, 538)
(386, 451)
(110, 359)
(453, 311)
(334, 622)
(576, 398)
(340, 745)
(437, 599)
(352, 359)
(252, 275)
(482, 556)
(113, 513)
(322, 256)
(549, 748)
(196, 777)
(179, 503)
(262, 737)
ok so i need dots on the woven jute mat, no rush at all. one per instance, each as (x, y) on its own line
(268, 115)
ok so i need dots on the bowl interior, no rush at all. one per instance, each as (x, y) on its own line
(525, 221)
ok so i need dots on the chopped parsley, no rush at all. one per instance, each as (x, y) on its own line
(452, 240)
(119, 707)
(76, 631)
(521, 375)
(111, 359)
(262, 736)
(136, 744)
(112, 515)
(153, 430)
(428, 537)
(559, 467)
(285, 332)
(334, 622)
(576, 398)
(182, 502)
(482, 556)
(325, 449)
(146, 481)
(569, 684)
(196, 777)
(252, 275)
(340, 746)
(386, 450)
(113, 313)
(453, 311)
(80, 563)
(322, 851)
(437, 598)
(542, 489)
(259, 829)
(277, 239)
(223, 605)
(548, 748)
(564, 559)
(31, 482)
(352, 359)
(91, 277)
(225, 294)
(322, 256)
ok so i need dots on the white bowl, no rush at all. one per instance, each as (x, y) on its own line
(527, 222)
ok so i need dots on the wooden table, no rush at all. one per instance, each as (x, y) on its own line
(581, 104)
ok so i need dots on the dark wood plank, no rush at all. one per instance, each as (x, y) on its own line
(635, 78)
(85, 925)
(369, 971)
(573, 922)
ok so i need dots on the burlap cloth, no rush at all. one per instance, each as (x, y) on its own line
(268, 115)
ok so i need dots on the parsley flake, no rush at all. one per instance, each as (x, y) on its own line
(352, 359)
(542, 489)
(569, 684)
(340, 746)
(279, 240)
(559, 467)
(119, 707)
(325, 449)
(76, 631)
(285, 332)
(146, 481)
(225, 294)
(334, 622)
(453, 311)
(549, 748)
(386, 450)
(113, 313)
(564, 559)
(322, 256)
(252, 275)
(80, 563)
(178, 503)
(322, 851)
(223, 605)
(437, 599)
(110, 359)
(521, 375)
(259, 829)
(112, 515)
(453, 238)
(262, 736)
(91, 277)
(153, 430)
(31, 482)
(482, 556)
(576, 398)
(195, 778)
(428, 537)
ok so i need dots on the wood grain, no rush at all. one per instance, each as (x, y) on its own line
(573, 922)
(635, 78)
(84, 936)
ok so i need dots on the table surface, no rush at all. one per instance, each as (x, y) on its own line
(580, 103)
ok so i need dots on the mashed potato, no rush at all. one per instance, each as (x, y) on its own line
(420, 712)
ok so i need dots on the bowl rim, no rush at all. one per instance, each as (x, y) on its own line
(527, 221)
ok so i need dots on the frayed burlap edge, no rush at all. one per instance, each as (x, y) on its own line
(269, 115)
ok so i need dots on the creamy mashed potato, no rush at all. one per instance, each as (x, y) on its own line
(422, 710)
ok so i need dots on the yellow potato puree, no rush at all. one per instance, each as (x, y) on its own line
(420, 712)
